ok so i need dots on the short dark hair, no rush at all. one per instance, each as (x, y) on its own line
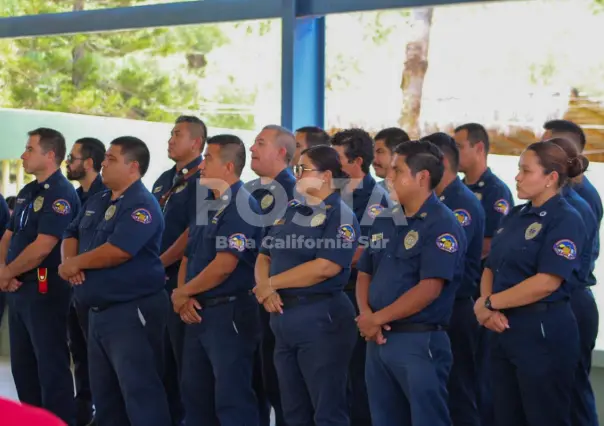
(134, 149)
(357, 143)
(571, 131)
(476, 133)
(423, 155)
(11, 201)
(448, 147)
(198, 128)
(326, 158)
(51, 140)
(314, 136)
(94, 149)
(232, 149)
(392, 136)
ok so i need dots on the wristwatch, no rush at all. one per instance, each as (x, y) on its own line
(487, 304)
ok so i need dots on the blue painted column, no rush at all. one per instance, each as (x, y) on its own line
(302, 68)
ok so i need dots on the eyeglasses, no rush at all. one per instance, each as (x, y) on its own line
(71, 158)
(298, 169)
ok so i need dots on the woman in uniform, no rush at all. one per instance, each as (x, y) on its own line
(301, 271)
(525, 291)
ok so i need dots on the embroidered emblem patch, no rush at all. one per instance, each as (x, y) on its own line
(347, 233)
(142, 216)
(61, 207)
(463, 217)
(566, 249)
(502, 206)
(448, 243)
(237, 242)
(374, 210)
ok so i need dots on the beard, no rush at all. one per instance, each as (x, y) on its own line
(76, 174)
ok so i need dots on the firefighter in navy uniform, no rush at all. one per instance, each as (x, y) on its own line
(83, 165)
(39, 299)
(111, 257)
(367, 200)
(271, 154)
(176, 191)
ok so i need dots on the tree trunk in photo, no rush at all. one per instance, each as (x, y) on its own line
(78, 51)
(414, 72)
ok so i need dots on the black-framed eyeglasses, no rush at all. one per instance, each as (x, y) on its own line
(298, 169)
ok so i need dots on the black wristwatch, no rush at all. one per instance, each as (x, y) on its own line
(487, 304)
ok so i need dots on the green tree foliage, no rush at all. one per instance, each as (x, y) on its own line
(148, 74)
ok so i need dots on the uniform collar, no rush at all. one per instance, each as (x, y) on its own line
(453, 188)
(427, 207)
(484, 179)
(51, 180)
(231, 194)
(186, 169)
(548, 207)
(366, 186)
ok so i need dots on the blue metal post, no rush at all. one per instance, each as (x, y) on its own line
(303, 69)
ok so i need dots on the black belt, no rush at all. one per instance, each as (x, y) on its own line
(221, 300)
(29, 276)
(293, 300)
(415, 328)
(351, 286)
(535, 307)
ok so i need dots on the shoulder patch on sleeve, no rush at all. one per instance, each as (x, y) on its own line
(346, 232)
(566, 249)
(447, 242)
(142, 216)
(374, 210)
(61, 206)
(502, 206)
(463, 217)
(237, 242)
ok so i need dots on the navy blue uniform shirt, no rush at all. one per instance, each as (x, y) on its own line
(273, 197)
(180, 208)
(43, 208)
(226, 231)
(97, 186)
(368, 201)
(471, 217)
(496, 200)
(533, 240)
(590, 194)
(133, 223)
(431, 245)
(584, 276)
(328, 231)
(4, 215)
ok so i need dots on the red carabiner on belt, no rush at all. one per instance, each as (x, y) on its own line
(43, 280)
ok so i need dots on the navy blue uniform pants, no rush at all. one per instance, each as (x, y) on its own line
(583, 401)
(407, 379)
(126, 352)
(314, 340)
(174, 342)
(78, 331)
(266, 384)
(533, 367)
(218, 361)
(2, 305)
(39, 353)
(357, 389)
(463, 384)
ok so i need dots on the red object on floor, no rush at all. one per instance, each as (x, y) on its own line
(14, 413)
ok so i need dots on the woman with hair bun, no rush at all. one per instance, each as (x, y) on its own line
(303, 266)
(536, 257)
(582, 301)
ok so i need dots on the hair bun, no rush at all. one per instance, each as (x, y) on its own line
(577, 165)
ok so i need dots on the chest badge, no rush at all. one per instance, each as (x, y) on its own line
(411, 239)
(157, 189)
(180, 188)
(532, 231)
(110, 212)
(317, 220)
(38, 203)
(478, 195)
(266, 201)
